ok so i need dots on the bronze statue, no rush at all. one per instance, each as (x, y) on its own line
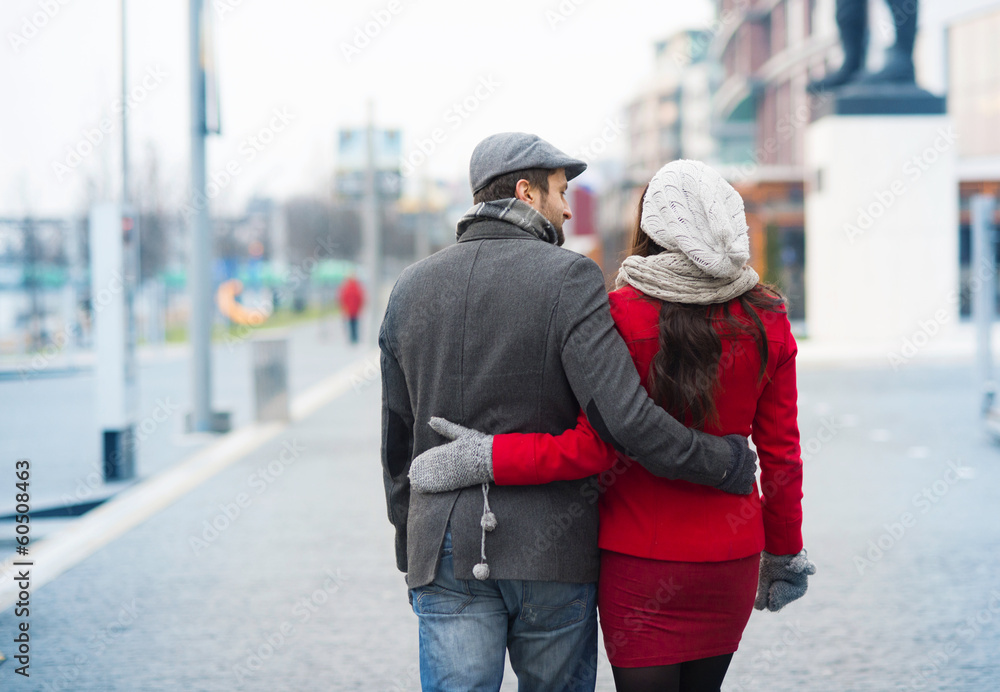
(852, 23)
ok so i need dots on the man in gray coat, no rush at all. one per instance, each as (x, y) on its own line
(505, 331)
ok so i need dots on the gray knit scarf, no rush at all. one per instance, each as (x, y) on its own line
(673, 277)
(511, 210)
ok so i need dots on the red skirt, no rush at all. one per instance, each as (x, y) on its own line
(660, 612)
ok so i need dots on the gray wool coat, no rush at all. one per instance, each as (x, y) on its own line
(506, 332)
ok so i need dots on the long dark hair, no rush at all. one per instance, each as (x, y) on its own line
(684, 374)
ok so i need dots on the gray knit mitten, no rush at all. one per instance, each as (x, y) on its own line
(742, 469)
(467, 460)
(782, 579)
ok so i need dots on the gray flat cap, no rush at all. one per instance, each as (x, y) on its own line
(507, 152)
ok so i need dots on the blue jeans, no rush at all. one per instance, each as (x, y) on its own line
(550, 629)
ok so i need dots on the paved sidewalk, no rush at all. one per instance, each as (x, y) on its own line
(297, 590)
(51, 419)
(289, 546)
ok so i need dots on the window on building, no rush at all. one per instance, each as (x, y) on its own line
(777, 29)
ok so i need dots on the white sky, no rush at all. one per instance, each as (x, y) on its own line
(561, 82)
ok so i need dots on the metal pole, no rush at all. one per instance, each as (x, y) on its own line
(200, 261)
(134, 250)
(121, 466)
(422, 243)
(372, 229)
(983, 283)
(125, 191)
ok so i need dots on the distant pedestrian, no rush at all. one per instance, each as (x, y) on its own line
(352, 299)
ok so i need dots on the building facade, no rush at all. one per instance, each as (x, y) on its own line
(974, 105)
(769, 51)
(669, 118)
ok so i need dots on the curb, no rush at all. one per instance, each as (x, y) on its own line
(57, 553)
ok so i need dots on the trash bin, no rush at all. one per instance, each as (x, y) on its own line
(270, 374)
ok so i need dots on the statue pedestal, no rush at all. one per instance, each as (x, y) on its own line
(877, 99)
(881, 214)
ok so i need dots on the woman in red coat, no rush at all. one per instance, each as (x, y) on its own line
(352, 297)
(682, 564)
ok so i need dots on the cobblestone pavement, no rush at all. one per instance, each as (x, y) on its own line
(278, 573)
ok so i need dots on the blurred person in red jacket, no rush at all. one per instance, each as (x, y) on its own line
(352, 299)
(681, 564)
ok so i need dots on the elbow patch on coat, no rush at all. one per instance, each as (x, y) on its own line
(397, 437)
(596, 420)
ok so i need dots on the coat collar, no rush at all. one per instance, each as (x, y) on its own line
(492, 229)
(511, 213)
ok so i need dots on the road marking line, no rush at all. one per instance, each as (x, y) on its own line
(60, 551)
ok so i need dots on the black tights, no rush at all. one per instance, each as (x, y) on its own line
(701, 675)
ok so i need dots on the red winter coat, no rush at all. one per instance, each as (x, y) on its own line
(652, 517)
(352, 297)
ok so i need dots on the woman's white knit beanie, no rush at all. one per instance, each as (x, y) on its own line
(690, 207)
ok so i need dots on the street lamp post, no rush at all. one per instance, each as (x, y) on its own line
(201, 418)
(371, 225)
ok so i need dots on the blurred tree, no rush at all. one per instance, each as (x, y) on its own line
(148, 201)
(345, 233)
(317, 228)
(398, 240)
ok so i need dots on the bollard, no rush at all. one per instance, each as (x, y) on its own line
(270, 370)
(119, 454)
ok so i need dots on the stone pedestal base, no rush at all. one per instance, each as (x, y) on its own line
(881, 230)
